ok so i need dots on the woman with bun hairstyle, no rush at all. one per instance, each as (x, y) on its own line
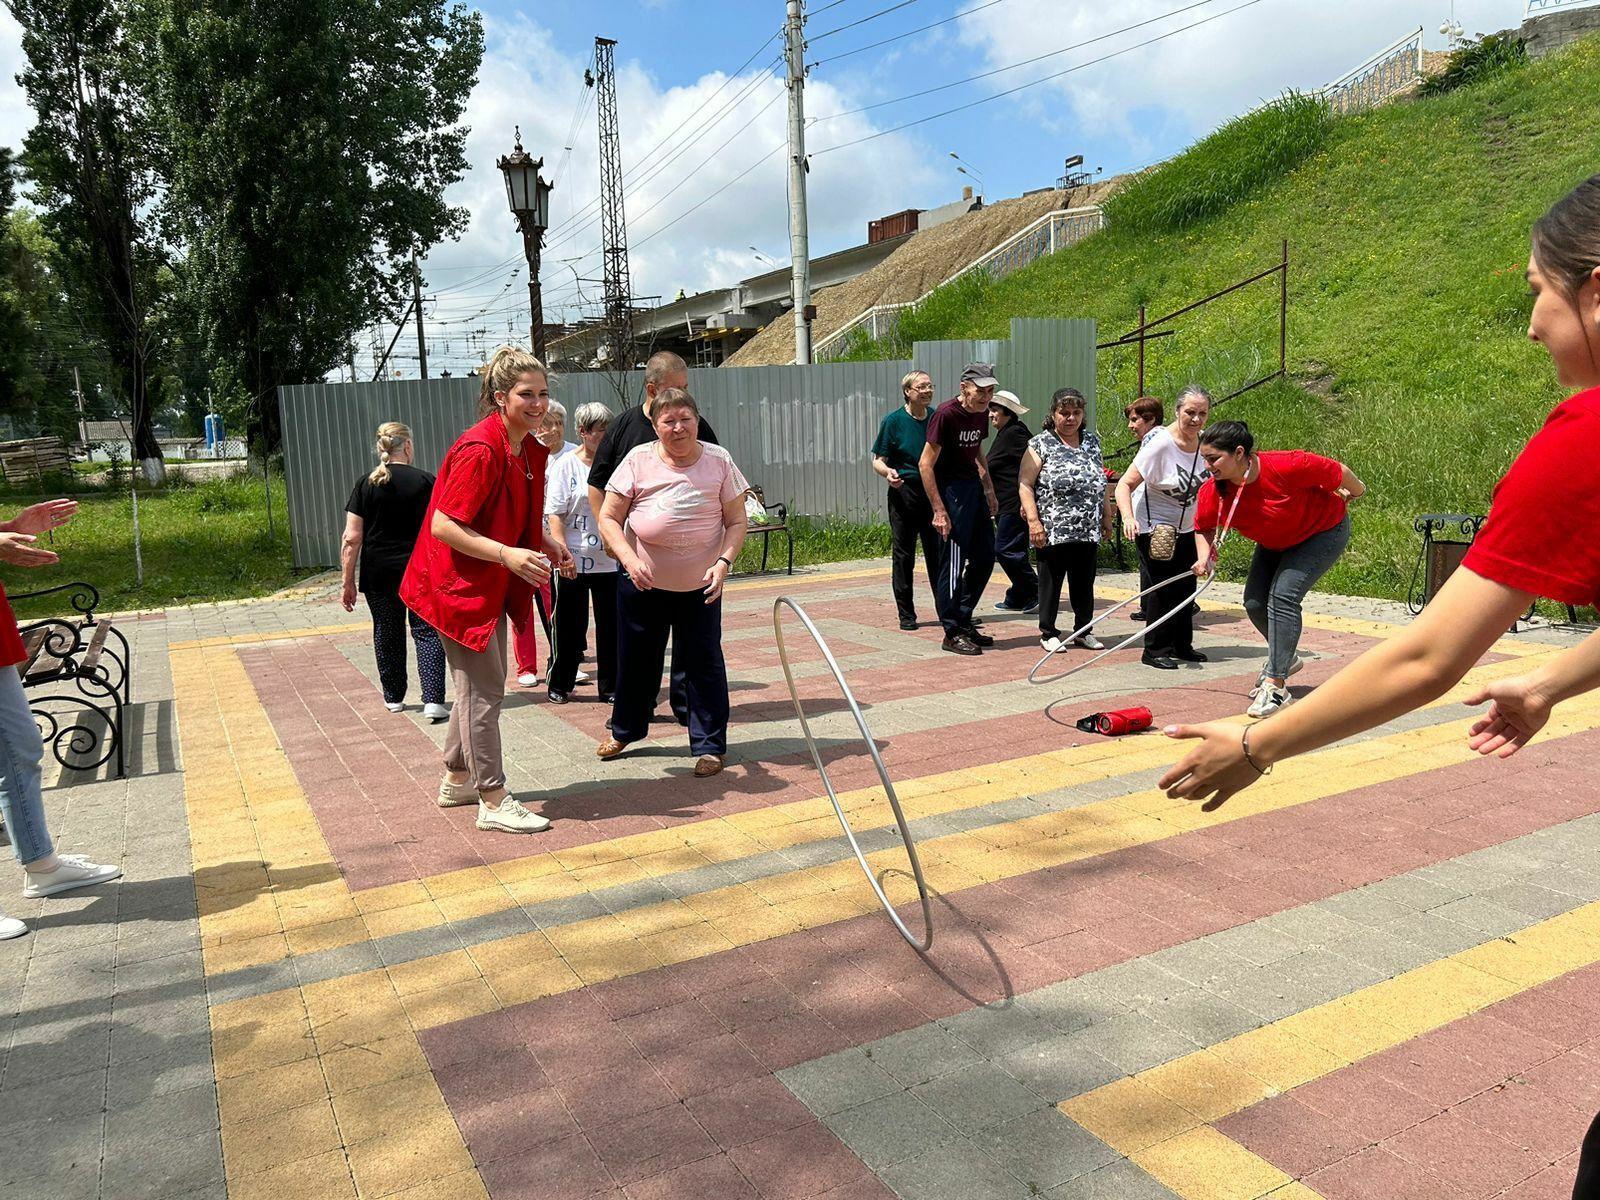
(1542, 538)
(483, 550)
(1291, 504)
(382, 519)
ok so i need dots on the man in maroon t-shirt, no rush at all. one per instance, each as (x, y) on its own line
(956, 479)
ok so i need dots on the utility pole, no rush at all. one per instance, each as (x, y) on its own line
(416, 306)
(83, 424)
(799, 239)
(613, 221)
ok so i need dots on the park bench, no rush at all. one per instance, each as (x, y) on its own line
(769, 527)
(81, 661)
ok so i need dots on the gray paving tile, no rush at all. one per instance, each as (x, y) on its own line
(58, 1098)
(957, 1171)
(1072, 1004)
(1137, 983)
(166, 1168)
(1569, 881)
(890, 1129)
(184, 1062)
(838, 1081)
(66, 1164)
(1260, 990)
(1364, 907)
(976, 1097)
(1205, 1018)
(1254, 943)
(1060, 1067)
(995, 1031)
(1414, 892)
(568, 911)
(1383, 951)
(1044, 1149)
(1134, 1042)
(133, 1126)
(921, 1054)
(1121, 1180)
(1197, 961)
(1530, 900)
(1308, 925)
(1435, 934)
(1478, 913)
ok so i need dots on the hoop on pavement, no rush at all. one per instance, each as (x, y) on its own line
(926, 941)
(1211, 577)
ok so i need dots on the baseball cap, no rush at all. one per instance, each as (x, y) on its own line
(1008, 400)
(980, 374)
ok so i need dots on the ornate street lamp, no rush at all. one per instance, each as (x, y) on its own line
(529, 196)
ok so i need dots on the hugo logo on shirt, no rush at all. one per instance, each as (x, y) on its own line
(969, 437)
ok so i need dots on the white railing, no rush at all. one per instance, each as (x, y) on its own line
(1539, 8)
(1051, 232)
(1387, 73)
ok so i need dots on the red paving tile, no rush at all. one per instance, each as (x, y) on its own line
(797, 1163)
(1376, 1174)
(748, 1111)
(1291, 1136)
(1473, 1159)
(567, 1169)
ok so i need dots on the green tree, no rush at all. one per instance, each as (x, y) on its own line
(89, 160)
(307, 145)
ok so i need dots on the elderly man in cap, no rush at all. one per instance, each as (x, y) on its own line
(956, 479)
(1011, 531)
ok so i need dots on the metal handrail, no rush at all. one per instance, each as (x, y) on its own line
(1375, 59)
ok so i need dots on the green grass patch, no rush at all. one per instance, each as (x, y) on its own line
(816, 541)
(1408, 232)
(202, 542)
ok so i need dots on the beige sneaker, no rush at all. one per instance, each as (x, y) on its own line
(510, 817)
(456, 795)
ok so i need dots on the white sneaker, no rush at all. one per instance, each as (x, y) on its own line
(74, 871)
(510, 817)
(436, 712)
(1295, 666)
(456, 795)
(10, 928)
(1051, 644)
(1089, 642)
(1268, 701)
(529, 679)
(394, 707)
(581, 677)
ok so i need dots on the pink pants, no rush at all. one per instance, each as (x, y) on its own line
(524, 645)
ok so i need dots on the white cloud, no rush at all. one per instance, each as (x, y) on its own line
(1209, 73)
(16, 118)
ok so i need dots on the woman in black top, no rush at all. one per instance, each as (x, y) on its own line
(382, 520)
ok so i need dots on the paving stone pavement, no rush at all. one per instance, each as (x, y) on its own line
(1374, 975)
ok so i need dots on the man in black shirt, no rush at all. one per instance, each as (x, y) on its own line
(1010, 530)
(662, 370)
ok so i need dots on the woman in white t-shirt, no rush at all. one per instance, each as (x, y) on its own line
(570, 519)
(1171, 471)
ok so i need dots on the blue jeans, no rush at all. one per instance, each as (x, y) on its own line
(966, 557)
(21, 755)
(1277, 586)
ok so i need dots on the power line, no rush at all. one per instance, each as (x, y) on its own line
(713, 195)
(1043, 79)
(945, 87)
(908, 33)
(882, 12)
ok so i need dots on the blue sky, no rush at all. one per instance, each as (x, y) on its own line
(693, 220)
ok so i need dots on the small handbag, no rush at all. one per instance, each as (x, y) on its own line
(1164, 536)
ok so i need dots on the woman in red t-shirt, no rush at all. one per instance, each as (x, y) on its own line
(482, 550)
(1292, 506)
(46, 873)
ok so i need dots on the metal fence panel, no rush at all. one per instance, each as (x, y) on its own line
(804, 434)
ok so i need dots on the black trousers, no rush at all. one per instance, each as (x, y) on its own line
(1178, 633)
(1011, 552)
(389, 619)
(572, 630)
(644, 619)
(966, 557)
(910, 522)
(1074, 564)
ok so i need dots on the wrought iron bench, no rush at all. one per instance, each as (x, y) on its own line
(767, 528)
(81, 661)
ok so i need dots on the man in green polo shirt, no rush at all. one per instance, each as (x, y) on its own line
(895, 455)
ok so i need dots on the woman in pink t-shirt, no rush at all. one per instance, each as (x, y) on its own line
(683, 504)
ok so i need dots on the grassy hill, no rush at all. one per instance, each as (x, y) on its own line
(1408, 231)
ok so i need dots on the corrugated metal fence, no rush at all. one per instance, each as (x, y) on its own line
(803, 433)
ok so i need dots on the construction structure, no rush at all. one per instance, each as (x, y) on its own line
(613, 220)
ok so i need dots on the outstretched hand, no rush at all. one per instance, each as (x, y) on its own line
(19, 550)
(1212, 771)
(44, 516)
(1517, 711)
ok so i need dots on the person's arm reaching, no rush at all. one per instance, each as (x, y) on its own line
(1350, 487)
(1413, 668)
(527, 565)
(884, 469)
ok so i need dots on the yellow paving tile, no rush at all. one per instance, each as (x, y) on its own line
(427, 1148)
(404, 918)
(689, 942)
(391, 1057)
(245, 1049)
(435, 971)
(1128, 1116)
(1277, 1058)
(1205, 1085)
(512, 953)
(256, 1011)
(323, 1176)
(1202, 1164)
(463, 1185)
(261, 1093)
(365, 1113)
(283, 1137)
(597, 965)
(327, 936)
(523, 984)
(453, 1002)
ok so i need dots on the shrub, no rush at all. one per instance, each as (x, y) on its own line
(1477, 61)
(1218, 171)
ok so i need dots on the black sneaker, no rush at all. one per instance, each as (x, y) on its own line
(1159, 661)
(980, 639)
(607, 698)
(908, 623)
(959, 643)
(1138, 616)
(556, 697)
(1191, 655)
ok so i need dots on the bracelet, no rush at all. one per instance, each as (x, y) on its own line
(1244, 744)
(500, 555)
(722, 558)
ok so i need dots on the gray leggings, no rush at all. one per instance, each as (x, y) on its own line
(1277, 585)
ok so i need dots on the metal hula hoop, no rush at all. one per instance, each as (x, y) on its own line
(1211, 577)
(926, 941)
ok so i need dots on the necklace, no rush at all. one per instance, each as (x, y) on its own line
(521, 459)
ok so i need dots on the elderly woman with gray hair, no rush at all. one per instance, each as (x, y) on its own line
(552, 435)
(571, 520)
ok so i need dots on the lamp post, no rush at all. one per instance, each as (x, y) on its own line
(529, 196)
